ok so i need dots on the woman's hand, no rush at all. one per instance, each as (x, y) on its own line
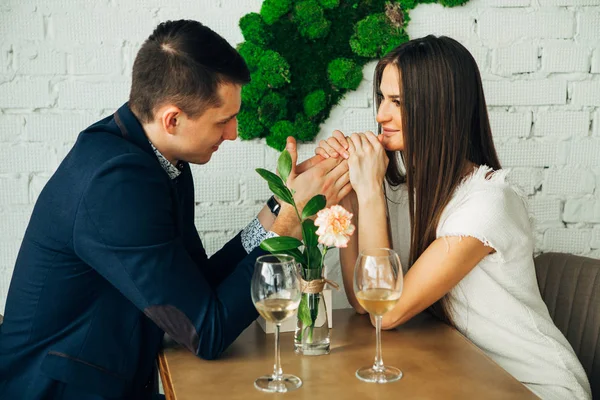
(367, 162)
(336, 146)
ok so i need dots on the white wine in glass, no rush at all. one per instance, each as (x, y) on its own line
(377, 301)
(276, 310)
(276, 295)
(378, 284)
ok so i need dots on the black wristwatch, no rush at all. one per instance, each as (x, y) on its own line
(273, 205)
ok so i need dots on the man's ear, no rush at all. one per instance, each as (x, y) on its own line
(170, 118)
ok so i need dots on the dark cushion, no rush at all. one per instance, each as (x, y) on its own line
(570, 286)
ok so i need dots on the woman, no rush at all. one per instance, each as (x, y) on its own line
(471, 243)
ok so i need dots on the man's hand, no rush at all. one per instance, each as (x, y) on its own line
(329, 177)
(314, 176)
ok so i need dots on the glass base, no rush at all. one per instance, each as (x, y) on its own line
(312, 349)
(385, 375)
(287, 383)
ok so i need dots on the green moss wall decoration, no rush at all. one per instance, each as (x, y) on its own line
(304, 55)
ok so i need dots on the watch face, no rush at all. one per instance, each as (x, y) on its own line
(273, 205)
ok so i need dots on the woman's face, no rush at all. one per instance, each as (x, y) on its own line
(388, 114)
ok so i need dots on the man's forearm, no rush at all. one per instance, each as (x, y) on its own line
(266, 218)
(287, 223)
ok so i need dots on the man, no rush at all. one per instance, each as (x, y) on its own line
(111, 258)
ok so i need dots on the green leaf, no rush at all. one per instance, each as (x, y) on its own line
(314, 310)
(298, 256)
(314, 205)
(276, 185)
(303, 311)
(282, 192)
(280, 243)
(284, 165)
(309, 233)
(315, 259)
(270, 177)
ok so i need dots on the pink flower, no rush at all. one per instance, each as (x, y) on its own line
(335, 226)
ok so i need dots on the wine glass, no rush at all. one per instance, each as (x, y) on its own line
(276, 295)
(378, 285)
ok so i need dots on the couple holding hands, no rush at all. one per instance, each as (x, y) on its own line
(111, 259)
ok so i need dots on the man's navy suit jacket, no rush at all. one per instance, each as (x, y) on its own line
(110, 260)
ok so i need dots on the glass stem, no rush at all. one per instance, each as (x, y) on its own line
(378, 364)
(277, 372)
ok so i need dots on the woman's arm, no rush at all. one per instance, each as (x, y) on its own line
(348, 255)
(441, 266)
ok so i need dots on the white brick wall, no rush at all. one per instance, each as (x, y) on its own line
(564, 57)
(515, 59)
(63, 65)
(562, 124)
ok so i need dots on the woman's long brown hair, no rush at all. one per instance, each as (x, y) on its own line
(445, 126)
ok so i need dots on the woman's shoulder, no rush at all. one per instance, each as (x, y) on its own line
(488, 189)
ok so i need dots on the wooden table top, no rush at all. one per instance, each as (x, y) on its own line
(437, 362)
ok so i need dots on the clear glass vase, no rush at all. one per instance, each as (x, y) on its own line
(311, 337)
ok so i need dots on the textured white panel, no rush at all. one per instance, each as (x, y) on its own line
(589, 25)
(527, 154)
(11, 127)
(224, 218)
(596, 62)
(26, 158)
(515, 59)
(14, 223)
(256, 188)
(569, 181)
(562, 123)
(565, 58)
(566, 3)
(479, 53)
(505, 124)
(14, 190)
(36, 185)
(359, 120)
(505, 3)
(545, 211)
(239, 157)
(586, 93)
(92, 95)
(593, 254)
(21, 23)
(585, 152)
(357, 99)
(100, 24)
(596, 238)
(506, 26)
(56, 128)
(6, 58)
(562, 240)
(433, 19)
(25, 93)
(8, 254)
(526, 179)
(525, 93)
(97, 59)
(5, 277)
(40, 61)
(582, 210)
(215, 188)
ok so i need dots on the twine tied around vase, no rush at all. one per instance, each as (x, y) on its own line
(316, 285)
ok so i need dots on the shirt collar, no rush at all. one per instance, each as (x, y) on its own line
(169, 168)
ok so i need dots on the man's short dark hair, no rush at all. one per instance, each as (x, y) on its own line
(183, 62)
